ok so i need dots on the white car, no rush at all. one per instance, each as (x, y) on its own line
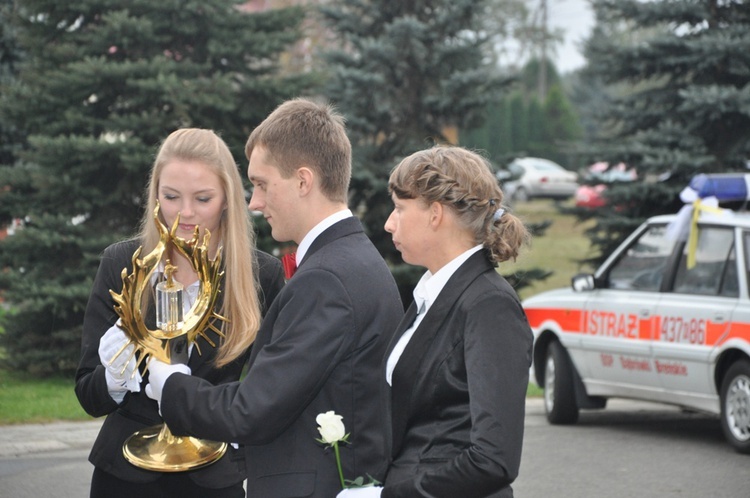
(663, 319)
(529, 177)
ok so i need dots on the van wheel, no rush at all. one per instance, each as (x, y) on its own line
(559, 394)
(735, 406)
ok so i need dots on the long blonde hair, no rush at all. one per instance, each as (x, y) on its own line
(240, 298)
(463, 181)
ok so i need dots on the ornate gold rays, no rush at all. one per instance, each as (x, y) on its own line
(201, 316)
(155, 448)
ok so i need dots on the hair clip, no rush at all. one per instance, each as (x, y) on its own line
(498, 214)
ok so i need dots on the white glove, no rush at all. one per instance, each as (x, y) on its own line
(366, 492)
(158, 374)
(121, 372)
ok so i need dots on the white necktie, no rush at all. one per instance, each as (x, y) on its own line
(420, 300)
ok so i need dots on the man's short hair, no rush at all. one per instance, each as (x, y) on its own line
(301, 132)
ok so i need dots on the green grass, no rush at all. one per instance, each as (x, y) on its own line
(26, 400)
(559, 249)
(534, 391)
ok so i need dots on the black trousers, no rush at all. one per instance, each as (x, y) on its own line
(169, 485)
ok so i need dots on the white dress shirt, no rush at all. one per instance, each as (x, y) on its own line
(321, 227)
(427, 290)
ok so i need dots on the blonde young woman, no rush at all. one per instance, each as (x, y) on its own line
(194, 175)
(457, 368)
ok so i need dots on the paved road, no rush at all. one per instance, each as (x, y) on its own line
(46, 460)
(628, 450)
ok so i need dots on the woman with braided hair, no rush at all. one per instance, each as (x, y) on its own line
(457, 368)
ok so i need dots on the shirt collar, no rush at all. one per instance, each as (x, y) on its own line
(321, 227)
(429, 286)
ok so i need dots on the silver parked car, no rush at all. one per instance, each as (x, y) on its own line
(529, 177)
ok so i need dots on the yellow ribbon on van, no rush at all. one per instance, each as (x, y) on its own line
(698, 208)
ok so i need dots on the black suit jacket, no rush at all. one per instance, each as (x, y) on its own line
(319, 349)
(458, 391)
(137, 411)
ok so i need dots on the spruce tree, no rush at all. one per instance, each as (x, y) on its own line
(538, 144)
(103, 82)
(678, 80)
(562, 127)
(407, 73)
(519, 132)
(10, 56)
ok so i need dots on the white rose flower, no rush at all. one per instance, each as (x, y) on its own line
(331, 427)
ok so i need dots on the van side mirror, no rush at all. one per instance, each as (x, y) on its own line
(583, 282)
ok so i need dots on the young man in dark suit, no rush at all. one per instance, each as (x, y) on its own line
(322, 341)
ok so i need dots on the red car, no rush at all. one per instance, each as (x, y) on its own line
(590, 194)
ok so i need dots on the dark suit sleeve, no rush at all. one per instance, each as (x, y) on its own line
(313, 328)
(497, 349)
(91, 385)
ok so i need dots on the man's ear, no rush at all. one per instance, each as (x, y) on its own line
(305, 178)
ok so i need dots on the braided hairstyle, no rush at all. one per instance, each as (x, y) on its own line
(462, 181)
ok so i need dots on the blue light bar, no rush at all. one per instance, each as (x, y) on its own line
(724, 186)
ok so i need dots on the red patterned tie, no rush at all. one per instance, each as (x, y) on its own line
(289, 261)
